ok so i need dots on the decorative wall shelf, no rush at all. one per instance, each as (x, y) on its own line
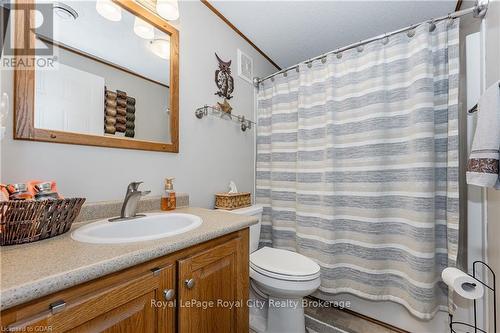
(206, 110)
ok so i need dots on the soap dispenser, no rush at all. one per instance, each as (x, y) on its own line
(168, 200)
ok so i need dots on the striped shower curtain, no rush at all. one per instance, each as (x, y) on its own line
(357, 166)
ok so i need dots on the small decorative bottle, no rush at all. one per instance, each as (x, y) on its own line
(168, 200)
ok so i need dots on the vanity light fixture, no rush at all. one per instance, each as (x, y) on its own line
(143, 29)
(109, 10)
(161, 47)
(64, 11)
(168, 9)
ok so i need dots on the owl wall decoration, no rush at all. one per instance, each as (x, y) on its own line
(223, 79)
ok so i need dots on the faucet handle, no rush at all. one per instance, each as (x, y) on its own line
(133, 186)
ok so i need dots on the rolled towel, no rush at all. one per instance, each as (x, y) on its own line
(483, 167)
(109, 129)
(121, 102)
(121, 120)
(121, 111)
(120, 127)
(130, 116)
(130, 125)
(110, 120)
(130, 100)
(130, 109)
(111, 94)
(111, 102)
(110, 111)
(121, 94)
(130, 133)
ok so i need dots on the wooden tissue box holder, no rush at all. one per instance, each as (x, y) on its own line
(230, 201)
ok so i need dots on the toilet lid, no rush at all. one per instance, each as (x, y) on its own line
(272, 262)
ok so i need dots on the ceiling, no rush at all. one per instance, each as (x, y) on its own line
(292, 31)
(114, 42)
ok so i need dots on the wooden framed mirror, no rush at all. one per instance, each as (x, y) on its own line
(113, 81)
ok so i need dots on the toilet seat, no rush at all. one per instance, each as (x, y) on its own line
(284, 265)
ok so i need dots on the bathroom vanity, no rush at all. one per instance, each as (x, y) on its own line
(195, 282)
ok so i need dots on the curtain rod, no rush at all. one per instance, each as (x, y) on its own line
(478, 11)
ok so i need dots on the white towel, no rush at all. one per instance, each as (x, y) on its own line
(483, 164)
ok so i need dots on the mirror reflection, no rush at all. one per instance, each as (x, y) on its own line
(112, 73)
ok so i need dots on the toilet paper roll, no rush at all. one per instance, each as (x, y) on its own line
(121, 120)
(130, 100)
(130, 109)
(121, 110)
(111, 102)
(120, 128)
(130, 125)
(109, 129)
(130, 117)
(110, 120)
(121, 102)
(110, 111)
(110, 94)
(130, 133)
(462, 283)
(121, 94)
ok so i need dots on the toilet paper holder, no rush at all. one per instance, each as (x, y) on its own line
(491, 288)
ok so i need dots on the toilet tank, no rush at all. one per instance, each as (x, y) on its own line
(255, 210)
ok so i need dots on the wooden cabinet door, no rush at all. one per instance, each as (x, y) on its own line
(213, 289)
(134, 304)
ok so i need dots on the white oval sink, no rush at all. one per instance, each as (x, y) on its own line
(149, 227)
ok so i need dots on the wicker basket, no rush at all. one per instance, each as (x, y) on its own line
(30, 221)
(232, 201)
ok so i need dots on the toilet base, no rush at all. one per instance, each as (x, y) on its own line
(285, 315)
(276, 315)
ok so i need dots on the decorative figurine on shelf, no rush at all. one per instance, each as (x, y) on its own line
(225, 107)
(223, 79)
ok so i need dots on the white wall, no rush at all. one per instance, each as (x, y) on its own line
(212, 151)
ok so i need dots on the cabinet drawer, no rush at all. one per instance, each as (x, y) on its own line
(125, 306)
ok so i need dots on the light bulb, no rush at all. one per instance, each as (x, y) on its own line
(161, 47)
(109, 10)
(168, 9)
(143, 29)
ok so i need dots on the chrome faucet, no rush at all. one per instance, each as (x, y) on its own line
(129, 207)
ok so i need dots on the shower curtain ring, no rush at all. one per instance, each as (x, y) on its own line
(432, 25)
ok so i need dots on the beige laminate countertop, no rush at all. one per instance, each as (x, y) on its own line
(30, 271)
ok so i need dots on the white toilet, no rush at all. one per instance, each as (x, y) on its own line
(279, 281)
